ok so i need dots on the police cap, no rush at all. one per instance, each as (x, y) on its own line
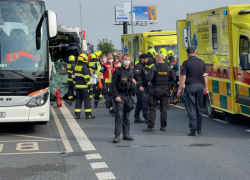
(143, 56)
(190, 49)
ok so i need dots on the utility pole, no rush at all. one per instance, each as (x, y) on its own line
(81, 13)
(132, 11)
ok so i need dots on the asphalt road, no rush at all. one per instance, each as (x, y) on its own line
(70, 149)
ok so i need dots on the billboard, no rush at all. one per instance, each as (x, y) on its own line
(142, 13)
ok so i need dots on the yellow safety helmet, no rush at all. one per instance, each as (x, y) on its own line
(93, 56)
(115, 54)
(171, 53)
(97, 53)
(100, 52)
(83, 58)
(72, 58)
(163, 51)
(152, 52)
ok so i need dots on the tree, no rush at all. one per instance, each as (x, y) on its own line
(106, 46)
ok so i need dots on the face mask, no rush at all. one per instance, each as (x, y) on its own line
(126, 63)
(111, 61)
(105, 60)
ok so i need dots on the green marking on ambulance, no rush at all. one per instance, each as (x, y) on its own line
(228, 89)
(245, 109)
(223, 102)
(215, 85)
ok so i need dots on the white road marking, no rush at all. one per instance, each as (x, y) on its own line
(1, 147)
(93, 156)
(105, 175)
(180, 107)
(248, 130)
(221, 121)
(52, 152)
(29, 140)
(98, 165)
(27, 146)
(65, 140)
(28, 136)
(80, 136)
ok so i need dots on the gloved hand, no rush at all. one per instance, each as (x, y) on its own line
(91, 89)
(100, 85)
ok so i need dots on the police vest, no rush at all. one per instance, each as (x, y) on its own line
(162, 75)
(125, 83)
(81, 74)
(107, 75)
(70, 70)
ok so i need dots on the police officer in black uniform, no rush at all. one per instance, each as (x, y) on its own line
(142, 104)
(124, 82)
(160, 75)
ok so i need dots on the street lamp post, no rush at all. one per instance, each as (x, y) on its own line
(132, 11)
(81, 13)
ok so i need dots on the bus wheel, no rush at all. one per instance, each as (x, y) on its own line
(210, 111)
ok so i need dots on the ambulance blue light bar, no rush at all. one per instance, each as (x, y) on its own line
(225, 12)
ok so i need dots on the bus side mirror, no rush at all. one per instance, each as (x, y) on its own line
(244, 62)
(52, 23)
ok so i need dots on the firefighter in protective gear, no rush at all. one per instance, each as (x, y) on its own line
(116, 57)
(164, 52)
(107, 70)
(159, 76)
(83, 87)
(70, 70)
(124, 82)
(151, 55)
(138, 59)
(93, 60)
(99, 87)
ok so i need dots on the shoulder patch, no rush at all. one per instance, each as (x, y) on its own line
(102, 68)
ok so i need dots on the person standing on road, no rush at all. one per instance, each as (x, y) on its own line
(107, 70)
(138, 59)
(70, 70)
(159, 75)
(83, 87)
(142, 104)
(124, 82)
(194, 75)
(97, 67)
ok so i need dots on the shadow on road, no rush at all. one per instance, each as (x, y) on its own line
(17, 128)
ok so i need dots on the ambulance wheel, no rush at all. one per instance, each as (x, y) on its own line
(210, 111)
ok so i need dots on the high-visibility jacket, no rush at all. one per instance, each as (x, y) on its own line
(92, 62)
(107, 75)
(98, 68)
(18, 55)
(70, 71)
(81, 76)
(137, 61)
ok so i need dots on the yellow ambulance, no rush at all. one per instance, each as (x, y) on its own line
(133, 43)
(222, 40)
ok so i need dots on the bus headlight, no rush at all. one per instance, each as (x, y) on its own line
(39, 100)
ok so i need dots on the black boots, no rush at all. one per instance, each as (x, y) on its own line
(107, 103)
(127, 137)
(138, 120)
(116, 139)
(148, 129)
(90, 117)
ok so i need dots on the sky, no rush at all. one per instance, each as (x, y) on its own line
(99, 15)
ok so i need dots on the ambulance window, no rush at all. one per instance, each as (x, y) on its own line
(214, 37)
(185, 38)
(244, 45)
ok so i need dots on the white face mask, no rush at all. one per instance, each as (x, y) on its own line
(105, 60)
(111, 61)
(126, 63)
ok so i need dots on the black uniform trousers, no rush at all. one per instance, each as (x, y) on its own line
(70, 89)
(98, 91)
(82, 95)
(142, 105)
(194, 97)
(122, 121)
(109, 94)
(160, 93)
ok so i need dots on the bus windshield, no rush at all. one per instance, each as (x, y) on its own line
(18, 23)
(168, 47)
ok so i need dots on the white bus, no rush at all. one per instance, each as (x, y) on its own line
(25, 29)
